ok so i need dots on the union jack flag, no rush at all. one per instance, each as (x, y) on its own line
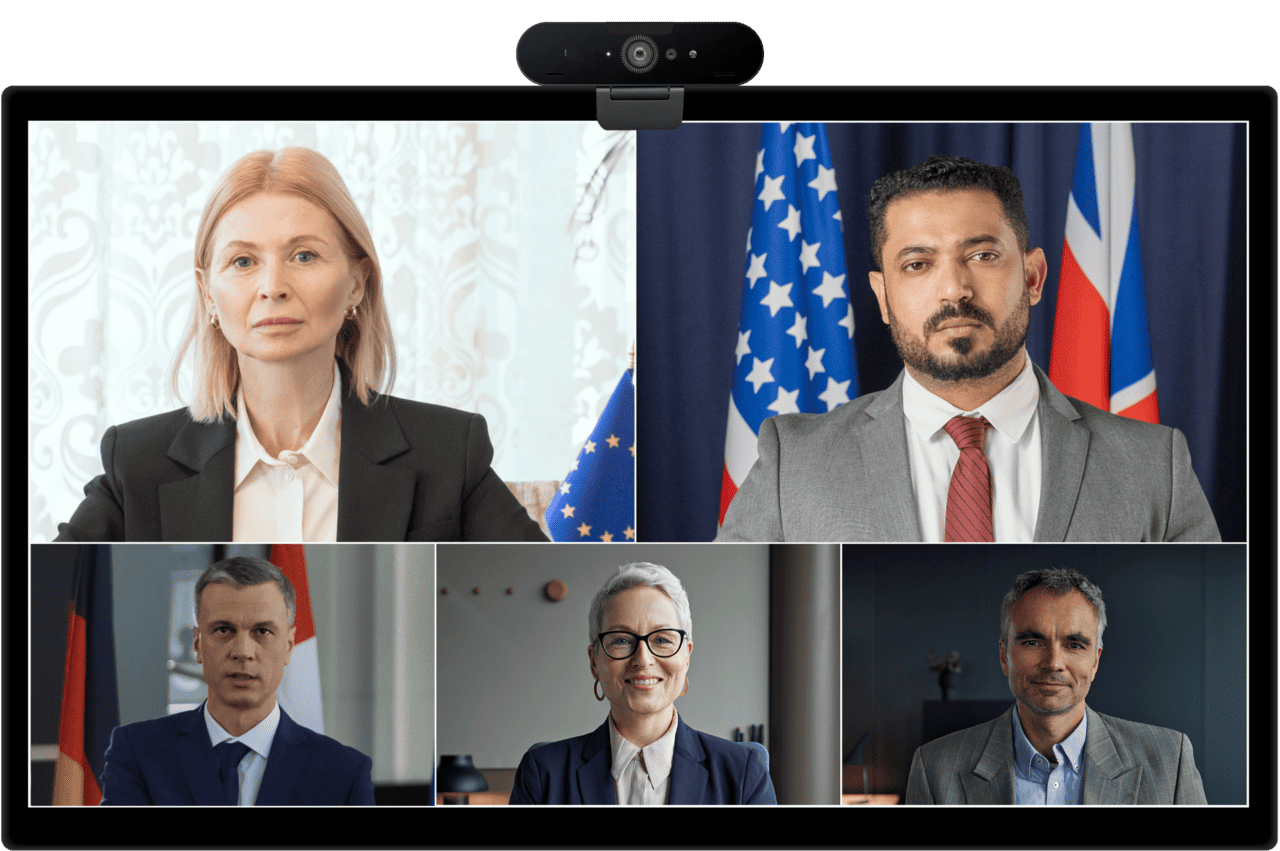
(1101, 342)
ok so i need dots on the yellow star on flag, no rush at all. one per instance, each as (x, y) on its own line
(589, 448)
(606, 537)
(633, 450)
(629, 533)
(612, 441)
(567, 511)
(584, 530)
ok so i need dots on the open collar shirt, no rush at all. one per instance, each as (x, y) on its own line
(294, 497)
(254, 764)
(648, 783)
(1012, 449)
(1036, 780)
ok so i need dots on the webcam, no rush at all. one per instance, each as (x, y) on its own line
(639, 70)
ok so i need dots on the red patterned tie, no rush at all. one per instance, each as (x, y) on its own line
(969, 497)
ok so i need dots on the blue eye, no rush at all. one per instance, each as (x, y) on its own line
(241, 265)
(305, 256)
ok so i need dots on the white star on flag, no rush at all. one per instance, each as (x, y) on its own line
(799, 329)
(814, 362)
(744, 348)
(809, 255)
(759, 163)
(778, 298)
(804, 149)
(825, 182)
(836, 394)
(772, 190)
(831, 288)
(756, 272)
(791, 224)
(786, 402)
(760, 374)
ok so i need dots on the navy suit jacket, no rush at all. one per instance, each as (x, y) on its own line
(704, 770)
(171, 761)
(408, 471)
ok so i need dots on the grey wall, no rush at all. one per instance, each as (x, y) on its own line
(1173, 653)
(513, 669)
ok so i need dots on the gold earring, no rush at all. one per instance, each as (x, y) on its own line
(594, 690)
(686, 686)
(351, 312)
(213, 319)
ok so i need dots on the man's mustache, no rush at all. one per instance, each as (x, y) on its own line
(963, 310)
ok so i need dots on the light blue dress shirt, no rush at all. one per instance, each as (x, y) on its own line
(1038, 781)
(254, 764)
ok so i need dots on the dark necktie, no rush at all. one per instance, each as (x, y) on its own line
(969, 497)
(229, 755)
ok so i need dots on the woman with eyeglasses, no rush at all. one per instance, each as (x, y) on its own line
(641, 637)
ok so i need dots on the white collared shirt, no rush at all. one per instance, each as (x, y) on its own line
(254, 764)
(654, 778)
(293, 497)
(1012, 448)
(1038, 781)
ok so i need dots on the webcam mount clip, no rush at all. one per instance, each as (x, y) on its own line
(639, 107)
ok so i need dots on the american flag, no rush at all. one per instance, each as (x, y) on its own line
(1101, 343)
(597, 499)
(795, 338)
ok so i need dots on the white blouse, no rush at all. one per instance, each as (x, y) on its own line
(643, 775)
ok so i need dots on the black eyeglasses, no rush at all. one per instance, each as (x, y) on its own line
(623, 645)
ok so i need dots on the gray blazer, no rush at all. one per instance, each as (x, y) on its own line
(1124, 763)
(845, 476)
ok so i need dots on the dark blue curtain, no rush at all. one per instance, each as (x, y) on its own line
(695, 190)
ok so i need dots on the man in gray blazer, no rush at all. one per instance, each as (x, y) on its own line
(1050, 748)
(955, 281)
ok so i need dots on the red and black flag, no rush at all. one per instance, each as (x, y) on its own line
(90, 704)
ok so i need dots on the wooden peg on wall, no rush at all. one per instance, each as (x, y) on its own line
(555, 590)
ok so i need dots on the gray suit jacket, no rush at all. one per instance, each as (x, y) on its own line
(845, 476)
(1124, 763)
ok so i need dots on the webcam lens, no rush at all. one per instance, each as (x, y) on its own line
(639, 53)
(671, 53)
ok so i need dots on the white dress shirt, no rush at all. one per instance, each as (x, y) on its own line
(647, 782)
(1012, 448)
(254, 764)
(293, 497)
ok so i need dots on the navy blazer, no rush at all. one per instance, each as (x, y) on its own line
(408, 471)
(704, 770)
(171, 761)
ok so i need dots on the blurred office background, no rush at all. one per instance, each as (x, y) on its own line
(1173, 655)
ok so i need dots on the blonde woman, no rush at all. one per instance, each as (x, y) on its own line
(290, 435)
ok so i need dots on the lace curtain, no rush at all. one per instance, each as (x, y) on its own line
(507, 252)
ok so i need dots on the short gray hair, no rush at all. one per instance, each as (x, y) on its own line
(246, 571)
(1056, 579)
(635, 575)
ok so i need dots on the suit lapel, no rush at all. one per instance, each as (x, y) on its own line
(198, 508)
(1108, 778)
(879, 447)
(595, 781)
(374, 501)
(284, 765)
(195, 755)
(1064, 447)
(991, 779)
(688, 768)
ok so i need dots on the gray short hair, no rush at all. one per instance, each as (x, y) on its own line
(1057, 579)
(635, 575)
(246, 571)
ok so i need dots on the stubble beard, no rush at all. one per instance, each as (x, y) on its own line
(1009, 340)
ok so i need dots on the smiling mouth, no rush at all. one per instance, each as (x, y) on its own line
(644, 681)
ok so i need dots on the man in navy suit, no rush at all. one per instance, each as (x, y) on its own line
(240, 747)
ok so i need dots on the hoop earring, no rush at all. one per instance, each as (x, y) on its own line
(686, 686)
(594, 689)
(213, 320)
(351, 312)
